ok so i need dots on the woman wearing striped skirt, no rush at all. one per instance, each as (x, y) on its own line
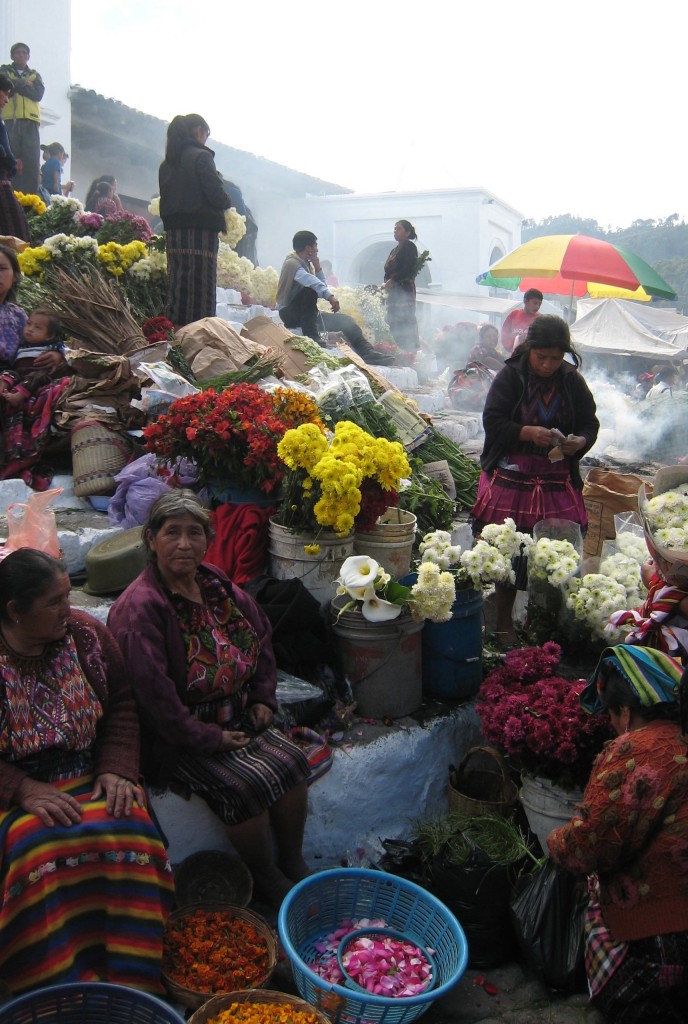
(201, 663)
(85, 882)
(192, 205)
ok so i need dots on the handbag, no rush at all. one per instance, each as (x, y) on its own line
(548, 915)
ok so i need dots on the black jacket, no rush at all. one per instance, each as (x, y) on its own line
(191, 192)
(508, 390)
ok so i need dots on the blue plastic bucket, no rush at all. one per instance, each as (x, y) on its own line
(452, 651)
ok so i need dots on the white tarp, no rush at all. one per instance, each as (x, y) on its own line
(626, 328)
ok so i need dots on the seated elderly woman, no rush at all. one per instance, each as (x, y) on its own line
(86, 884)
(630, 836)
(199, 657)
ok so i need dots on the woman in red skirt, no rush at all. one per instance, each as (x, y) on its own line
(529, 472)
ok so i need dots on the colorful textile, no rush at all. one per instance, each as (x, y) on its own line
(537, 489)
(650, 985)
(240, 544)
(658, 622)
(84, 903)
(117, 735)
(221, 645)
(653, 676)
(12, 322)
(503, 423)
(239, 784)
(191, 274)
(26, 429)
(631, 828)
(603, 956)
(146, 627)
(47, 704)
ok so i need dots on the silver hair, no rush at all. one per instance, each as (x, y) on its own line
(171, 505)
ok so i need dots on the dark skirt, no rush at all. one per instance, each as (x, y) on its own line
(651, 984)
(191, 274)
(240, 784)
(401, 316)
(12, 217)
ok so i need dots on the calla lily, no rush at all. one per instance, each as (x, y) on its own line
(375, 609)
(358, 571)
(366, 593)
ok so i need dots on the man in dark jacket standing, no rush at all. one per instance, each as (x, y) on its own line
(22, 117)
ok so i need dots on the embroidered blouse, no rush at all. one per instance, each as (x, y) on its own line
(48, 702)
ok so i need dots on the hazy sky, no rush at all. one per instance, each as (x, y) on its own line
(555, 107)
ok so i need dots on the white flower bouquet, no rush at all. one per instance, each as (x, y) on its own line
(667, 518)
(553, 560)
(592, 599)
(379, 598)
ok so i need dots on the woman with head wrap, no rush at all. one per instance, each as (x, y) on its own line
(630, 836)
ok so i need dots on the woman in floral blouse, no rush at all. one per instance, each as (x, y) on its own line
(630, 837)
(202, 668)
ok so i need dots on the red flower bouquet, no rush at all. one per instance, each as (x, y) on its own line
(230, 435)
(535, 718)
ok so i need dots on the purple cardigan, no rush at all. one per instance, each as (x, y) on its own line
(144, 623)
(117, 738)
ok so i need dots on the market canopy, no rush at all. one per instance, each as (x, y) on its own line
(625, 328)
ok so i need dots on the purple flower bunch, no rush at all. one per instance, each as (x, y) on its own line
(535, 717)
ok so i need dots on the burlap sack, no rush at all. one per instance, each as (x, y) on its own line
(605, 493)
(212, 347)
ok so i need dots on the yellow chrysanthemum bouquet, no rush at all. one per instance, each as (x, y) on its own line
(339, 483)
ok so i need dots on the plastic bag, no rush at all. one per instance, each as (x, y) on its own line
(548, 916)
(33, 525)
(138, 486)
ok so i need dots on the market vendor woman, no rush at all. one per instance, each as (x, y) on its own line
(539, 419)
(630, 837)
(201, 665)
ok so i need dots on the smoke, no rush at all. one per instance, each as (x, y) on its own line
(633, 430)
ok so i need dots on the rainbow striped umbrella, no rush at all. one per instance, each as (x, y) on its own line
(576, 264)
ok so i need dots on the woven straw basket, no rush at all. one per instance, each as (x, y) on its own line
(479, 789)
(257, 995)
(98, 453)
(193, 999)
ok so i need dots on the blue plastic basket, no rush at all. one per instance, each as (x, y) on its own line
(318, 905)
(88, 1003)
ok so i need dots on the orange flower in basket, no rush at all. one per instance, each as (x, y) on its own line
(209, 951)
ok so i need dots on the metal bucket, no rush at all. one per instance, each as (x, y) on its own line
(318, 572)
(382, 660)
(547, 805)
(390, 542)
